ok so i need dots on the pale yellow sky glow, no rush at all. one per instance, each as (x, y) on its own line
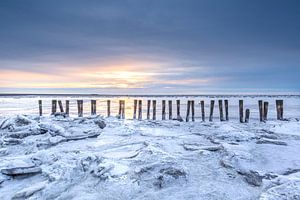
(133, 75)
(121, 79)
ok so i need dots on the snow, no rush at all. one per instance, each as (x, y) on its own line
(131, 159)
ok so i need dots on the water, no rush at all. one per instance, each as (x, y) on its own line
(28, 104)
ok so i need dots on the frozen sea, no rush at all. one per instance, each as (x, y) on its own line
(99, 157)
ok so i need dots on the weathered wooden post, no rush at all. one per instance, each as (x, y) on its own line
(93, 107)
(226, 110)
(247, 115)
(178, 109)
(188, 111)
(54, 102)
(80, 108)
(266, 105)
(108, 108)
(170, 109)
(221, 110)
(202, 111)
(67, 108)
(193, 110)
(61, 108)
(148, 109)
(154, 109)
(134, 108)
(241, 108)
(212, 104)
(123, 109)
(120, 109)
(40, 108)
(279, 109)
(163, 111)
(140, 110)
(260, 107)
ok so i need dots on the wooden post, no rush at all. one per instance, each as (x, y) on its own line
(202, 111)
(140, 110)
(120, 109)
(67, 108)
(279, 109)
(148, 109)
(54, 102)
(188, 111)
(212, 104)
(61, 108)
(221, 110)
(260, 107)
(134, 108)
(80, 108)
(108, 108)
(241, 108)
(226, 110)
(163, 112)
(247, 115)
(40, 108)
(154, 109)
(193, 110)
(123, 109)
(266, 105)
(170, 109)
(93, 107)
(178, 109)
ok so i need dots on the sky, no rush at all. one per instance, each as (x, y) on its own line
(150, 46)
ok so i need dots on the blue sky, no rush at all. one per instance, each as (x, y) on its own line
(143, 46)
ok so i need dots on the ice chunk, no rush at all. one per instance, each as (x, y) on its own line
(19, 120)
(102, 170)
(27, 192)
(16, 171)
(100, 123)
(53, 129)
(252, 177)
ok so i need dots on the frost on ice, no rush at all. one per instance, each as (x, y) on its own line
(95, 158)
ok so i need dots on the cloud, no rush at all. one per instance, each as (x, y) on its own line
(156, 44)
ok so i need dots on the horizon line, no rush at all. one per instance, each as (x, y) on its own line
(145, 95)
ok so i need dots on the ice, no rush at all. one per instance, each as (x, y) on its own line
(285, 188)
(288, 128)
(27, 192)
(108, 158)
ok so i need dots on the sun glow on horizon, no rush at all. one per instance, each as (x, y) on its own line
(84, 77)
(121, 76)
